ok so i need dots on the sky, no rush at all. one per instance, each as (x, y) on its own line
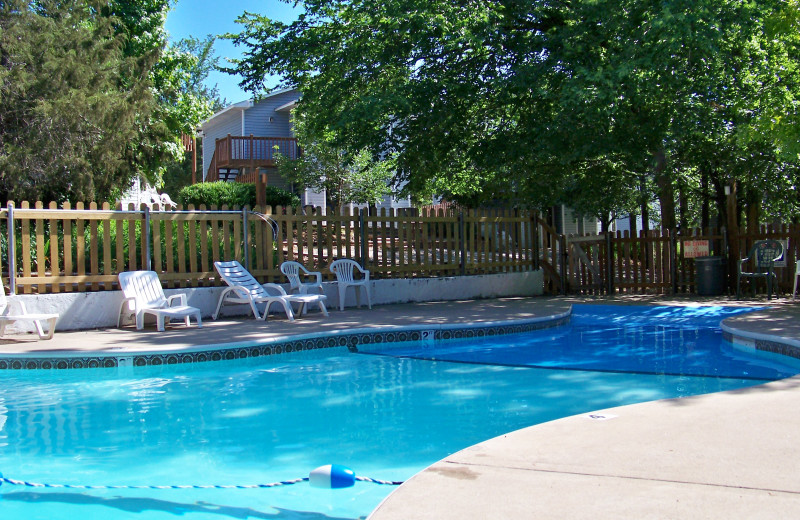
(200, 18)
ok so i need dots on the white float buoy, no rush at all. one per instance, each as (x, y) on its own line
(332, 476)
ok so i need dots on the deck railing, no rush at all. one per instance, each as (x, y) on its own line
(252, 151)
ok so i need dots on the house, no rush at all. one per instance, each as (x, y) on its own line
(239, 144)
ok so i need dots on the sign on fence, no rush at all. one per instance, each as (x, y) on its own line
(695, 248)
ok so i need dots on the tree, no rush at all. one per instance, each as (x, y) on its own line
(197, 60)
(176, 73)
(325, 166)
(67, 123)
(521, 99)
(90, 98)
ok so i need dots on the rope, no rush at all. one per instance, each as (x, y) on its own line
(76, 486)
(381, 482)
(244, 486)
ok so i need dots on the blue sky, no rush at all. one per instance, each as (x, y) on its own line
(200, 18)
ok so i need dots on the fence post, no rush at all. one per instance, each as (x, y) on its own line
(245, 237)
(362, 233)
(609, 264)
(726, 255)
(12, 253)
(146, 233)
(462, 250)
(562, 243)
(535, 246)
(673, 246)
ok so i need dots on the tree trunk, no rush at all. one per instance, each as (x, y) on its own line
(705, 216)
(753, 210)
(666, 192)
(683, 206)
(645, 208)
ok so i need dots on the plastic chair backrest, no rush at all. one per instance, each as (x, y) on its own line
(764, 253)
(344, 269)
(144, 287)
(292, 272)
(234, 273)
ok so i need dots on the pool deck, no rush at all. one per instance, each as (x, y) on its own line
(727, 455)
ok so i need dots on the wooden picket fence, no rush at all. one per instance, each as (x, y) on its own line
(83, 248)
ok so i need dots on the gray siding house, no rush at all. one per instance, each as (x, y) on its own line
(239, 143)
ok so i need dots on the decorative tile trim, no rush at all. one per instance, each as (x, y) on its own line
(764, 345)
(351, 341)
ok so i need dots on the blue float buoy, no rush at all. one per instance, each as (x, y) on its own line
(333, 476)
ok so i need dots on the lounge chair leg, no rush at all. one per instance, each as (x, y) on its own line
(322, 308)
(3, 327)
(288, 309)
(160, 323)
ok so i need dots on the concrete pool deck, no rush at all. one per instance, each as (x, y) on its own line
(732, 454)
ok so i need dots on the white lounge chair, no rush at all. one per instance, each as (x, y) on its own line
(144, 295)
(243, 288)
(345, 270)
(12, 309)
(292, 271)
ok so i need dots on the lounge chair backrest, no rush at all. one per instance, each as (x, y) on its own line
(144, 287)
(344, 269)
(234, 273)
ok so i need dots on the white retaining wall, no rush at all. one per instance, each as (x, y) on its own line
(91, 310)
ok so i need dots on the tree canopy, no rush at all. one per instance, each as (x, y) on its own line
(91, 96)
(603, 105)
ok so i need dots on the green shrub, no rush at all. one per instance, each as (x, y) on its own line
(279, 197)
(220, 193)
(233, 194)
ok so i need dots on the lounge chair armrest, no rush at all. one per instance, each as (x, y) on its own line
(180, 297)
(317, 276)
(366, 275)
(131, 301)
(280, 290)
(14, 302)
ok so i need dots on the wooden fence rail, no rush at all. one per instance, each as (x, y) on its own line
(66, 249)
(83, 248)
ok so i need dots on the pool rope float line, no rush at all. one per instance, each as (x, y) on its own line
(331, 476)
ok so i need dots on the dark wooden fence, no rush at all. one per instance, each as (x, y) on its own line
(656, 262)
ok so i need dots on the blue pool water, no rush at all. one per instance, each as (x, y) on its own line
(270, 419)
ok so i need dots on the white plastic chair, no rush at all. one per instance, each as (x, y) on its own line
(13, 309)
(144, 295)
(345, 271)
(796, 275)
(243, 288)
(292, 271)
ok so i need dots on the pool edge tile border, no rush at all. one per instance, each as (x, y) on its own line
(761, 342)
(283, 344)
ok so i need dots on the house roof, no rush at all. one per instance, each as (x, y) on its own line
(248, 103)
(287, 107)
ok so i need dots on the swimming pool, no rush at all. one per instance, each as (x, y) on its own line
(270, 419)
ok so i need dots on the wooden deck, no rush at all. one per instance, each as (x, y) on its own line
(249, 153)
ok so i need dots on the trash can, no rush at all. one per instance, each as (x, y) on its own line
(710, 275)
